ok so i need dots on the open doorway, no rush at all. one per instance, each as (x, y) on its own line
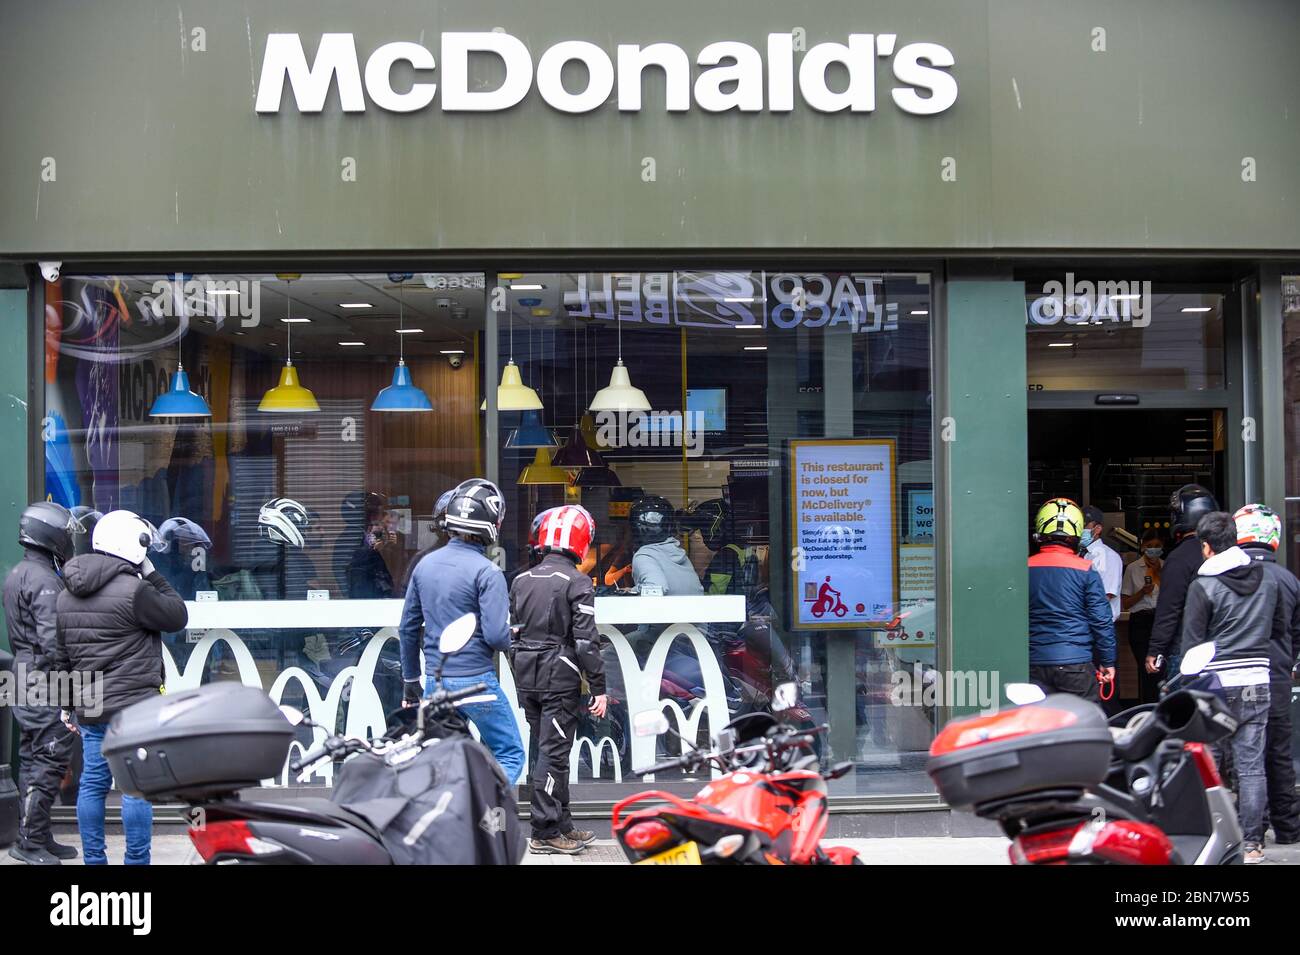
(1126, 462)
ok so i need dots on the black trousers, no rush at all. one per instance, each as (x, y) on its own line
(1139, 641)
(1077, 678)
(552, 723)
(44, 753)
(1279, 765)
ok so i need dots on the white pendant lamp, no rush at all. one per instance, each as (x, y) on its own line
(289, 396)
(512, 393)
(619, 395)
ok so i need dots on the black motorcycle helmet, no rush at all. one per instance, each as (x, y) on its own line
(49, 527)
(652, 519)
(476, 510)
(1188, 505)
(712, 518)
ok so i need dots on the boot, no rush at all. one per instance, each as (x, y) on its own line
(581, 836)
(36, 855)
(561, 845)
(59, 850)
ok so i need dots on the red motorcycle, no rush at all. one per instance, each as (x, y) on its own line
(768, 807)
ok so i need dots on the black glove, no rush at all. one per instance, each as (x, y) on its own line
(411, 692)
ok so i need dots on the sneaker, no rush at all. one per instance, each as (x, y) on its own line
(59, 850)
(1254, 853)
(36, 856)
(561, 845)
(581, 836)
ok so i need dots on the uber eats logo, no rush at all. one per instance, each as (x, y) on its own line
(724, 75)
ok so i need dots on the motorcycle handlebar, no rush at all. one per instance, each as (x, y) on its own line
(313, 755)
(469, 691)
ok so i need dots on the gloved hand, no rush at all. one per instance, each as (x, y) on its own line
(146, 566)
(411, 691)
(68, 720)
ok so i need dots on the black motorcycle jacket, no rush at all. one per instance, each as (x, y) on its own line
(30, 598)
(555, 642)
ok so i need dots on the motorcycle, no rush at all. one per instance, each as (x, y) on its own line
(768, 808)
(1069, 787)
(424, 792)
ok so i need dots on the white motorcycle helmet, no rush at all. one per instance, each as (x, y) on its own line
(124, 534)
(282, 521)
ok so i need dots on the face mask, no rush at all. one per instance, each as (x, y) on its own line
(1086, 539)
(1154, 551)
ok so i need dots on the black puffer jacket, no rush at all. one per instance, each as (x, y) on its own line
(110, 622)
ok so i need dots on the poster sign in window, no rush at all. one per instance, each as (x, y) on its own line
(842, 512)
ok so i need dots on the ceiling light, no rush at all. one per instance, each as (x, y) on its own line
(1198, 308)
(402, 394)
(223, 291)
(409, 331)
(1060, 344)
(452, 351)
(296, 321)
(738, 299)
(749, 326)
(289, 396)
(1130, 297)
(526, 288)
(919, 311)
(355, 305)
(755, 348)
(351, 344)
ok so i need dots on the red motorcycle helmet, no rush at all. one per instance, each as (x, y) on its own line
(567, 529)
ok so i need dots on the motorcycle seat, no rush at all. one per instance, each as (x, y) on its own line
(307, 807)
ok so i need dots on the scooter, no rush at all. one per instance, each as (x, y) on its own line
(313, 830)
(1158, 798)
(768, 807)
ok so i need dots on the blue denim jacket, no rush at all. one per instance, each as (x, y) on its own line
(447, 583)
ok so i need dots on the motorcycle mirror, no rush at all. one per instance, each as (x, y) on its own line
(1022, 694)
(785, 696)
(456, 634)
(295, 717)
(649, 723)
(1197, 659)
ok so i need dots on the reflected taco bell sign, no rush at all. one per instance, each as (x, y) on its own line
(731, 75)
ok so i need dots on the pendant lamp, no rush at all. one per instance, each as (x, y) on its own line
(588, 428)
(512, 393)
(289, 396)
(179, 401)
(598, 477)
(542, 471)
(531, 433)
(575, 453)
(619, 395)
(401, 395)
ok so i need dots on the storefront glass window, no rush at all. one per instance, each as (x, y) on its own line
(1089, 335)
(783, 417)
(1290, 417)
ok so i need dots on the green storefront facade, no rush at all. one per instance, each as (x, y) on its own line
(895, 184)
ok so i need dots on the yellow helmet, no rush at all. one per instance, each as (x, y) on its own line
(1059, 519)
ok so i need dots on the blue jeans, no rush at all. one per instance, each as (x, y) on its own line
(1249, 704)
(495, 722)
(96, 780)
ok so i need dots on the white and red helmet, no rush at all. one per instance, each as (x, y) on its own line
(568, 529)
(1258, 524)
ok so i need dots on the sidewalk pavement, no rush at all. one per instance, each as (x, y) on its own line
(173, 848)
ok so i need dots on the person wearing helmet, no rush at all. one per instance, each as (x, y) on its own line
(1071, 633)
(556, 648)
(1187, 506)
(448, 583)
(47, 533)
(733, 569)
(658, 561)
(111, 619)
(1259, 534)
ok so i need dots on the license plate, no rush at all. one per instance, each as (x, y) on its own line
(688, 853)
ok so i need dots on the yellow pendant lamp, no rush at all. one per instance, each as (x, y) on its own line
(289, 396)
(512, 393)
(542, 471)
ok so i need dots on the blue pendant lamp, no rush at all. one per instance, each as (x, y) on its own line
(178, 401)
(531, 433)
(401, 395)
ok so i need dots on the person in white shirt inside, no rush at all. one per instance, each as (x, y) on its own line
(1104, 560)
